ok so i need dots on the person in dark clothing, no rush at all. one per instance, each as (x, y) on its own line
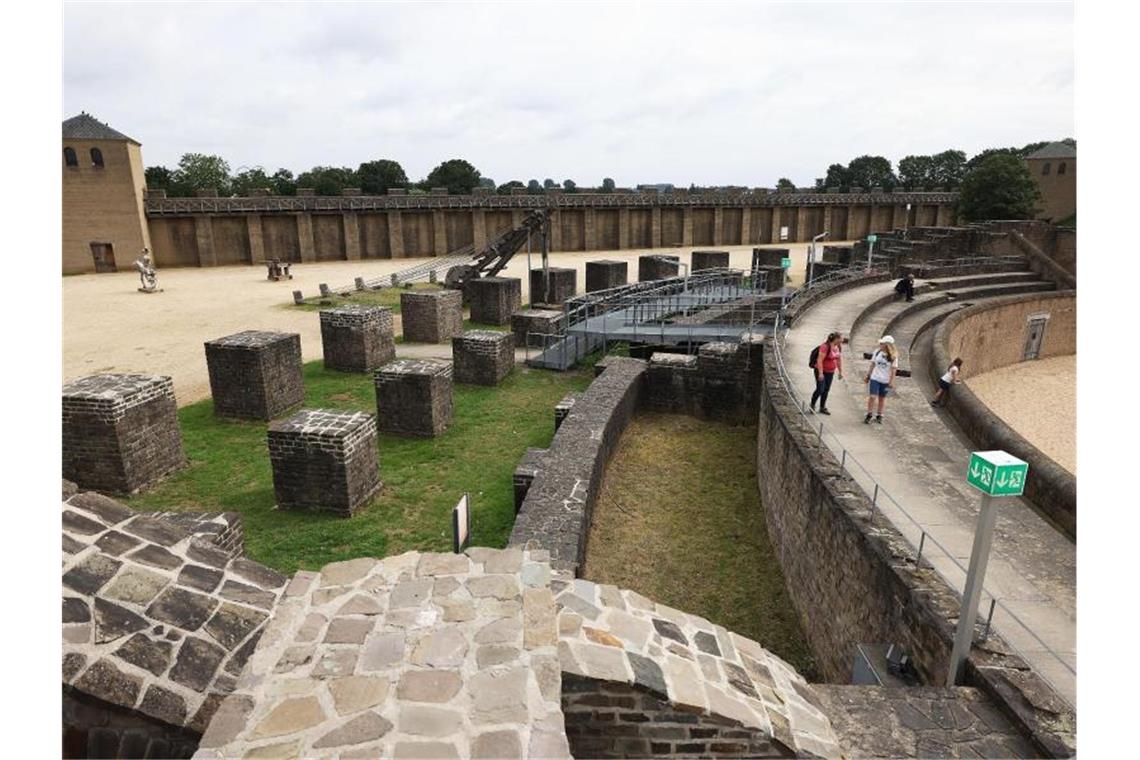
(905, 287)
(829, 359)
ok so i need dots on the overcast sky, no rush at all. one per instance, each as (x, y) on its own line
(724, 94)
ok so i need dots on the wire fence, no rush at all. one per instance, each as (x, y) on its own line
(927, 543)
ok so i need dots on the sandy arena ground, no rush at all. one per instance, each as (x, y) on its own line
(108, 326)
(1039, 399)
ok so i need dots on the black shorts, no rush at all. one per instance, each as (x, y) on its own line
(943, 384)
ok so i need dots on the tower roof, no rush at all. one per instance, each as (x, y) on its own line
(1054, 150)
(87, 127)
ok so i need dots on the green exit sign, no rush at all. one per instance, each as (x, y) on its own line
(997, 473)
(872, 238)
(786, 262)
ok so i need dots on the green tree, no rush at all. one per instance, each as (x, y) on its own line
(917, 172)
(328, 180)
(948, 168)
(608, 185)
(160, 178)
(457, 175)
(549, 183)
(976, 161)
(487, 182)
(198, 171)
(283, 182)
(785, 184)
(569, 185)
(249, 179)
(505, 188)
(375, 177)
(533, 187)
(999, 188)
(837, 176)
(871, 171)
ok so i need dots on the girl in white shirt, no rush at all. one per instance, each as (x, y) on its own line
(944, 383)
(881, 377)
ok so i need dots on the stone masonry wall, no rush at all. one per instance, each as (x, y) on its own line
(431, 316)
(120, 432)
(97, 729)
(222, 529)
(494, 299)
(483, 357)
(657, 267)
(721, 382)
(357, 338)
(853, 578)
(255, 374)
(414, 397)
(555, 514)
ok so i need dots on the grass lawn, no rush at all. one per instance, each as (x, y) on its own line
(492, 427)
(679, 520)
(389, 297)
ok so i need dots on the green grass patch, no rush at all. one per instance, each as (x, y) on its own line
(423, 478)
(679, 520)
(389, 297)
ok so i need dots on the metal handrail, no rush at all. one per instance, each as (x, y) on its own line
(880, 492)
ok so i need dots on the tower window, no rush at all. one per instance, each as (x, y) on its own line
(69, 157)
(1061, 168)
(1045, 169)
(97, 157)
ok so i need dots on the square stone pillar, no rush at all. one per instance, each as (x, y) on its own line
(431, 316)
(351, 237)
(357, 338)
(413, 397)
(120, 432)
(255, 375)
(772, 277)
(562, 286)
(536, 321)
(305, 243)
(256, 238)
(605, 274)
(483, 357)
(708, 260)
(324, 460)
(494, 299)
(204, 237)
(657, 266)
(395, 235)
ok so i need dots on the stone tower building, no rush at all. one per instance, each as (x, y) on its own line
(104, 221)
(1054, 169)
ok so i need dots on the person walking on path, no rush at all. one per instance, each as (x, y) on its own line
(828, 360)
(881, 377)
(944, 383)
(905, 287)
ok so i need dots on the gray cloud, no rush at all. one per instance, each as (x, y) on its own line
(738, 94)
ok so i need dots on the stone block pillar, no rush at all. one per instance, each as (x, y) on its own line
(655, 227)
(589, 230)
(605, 274)
(256, 238)
(483, 357)
(254, 374)
(414, 397)
(431, 316)
(438, 233)
(657, 266)
(351, 236)
(204, 237)
(687, 225)
(536, 321)
(623, 227)
(395, 235)
(120, 432)
(708, 260)
(324, 460)
(478, 228)
(562, 285)
(494, 299)
(357, 338)
(305, 242)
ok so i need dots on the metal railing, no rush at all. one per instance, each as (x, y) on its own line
(926, 542)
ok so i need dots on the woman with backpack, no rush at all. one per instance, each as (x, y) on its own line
(881, 377)
(825, 360)
(944, 383)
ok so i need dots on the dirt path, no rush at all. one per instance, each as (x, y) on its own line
(1039, 400)
(108, 326)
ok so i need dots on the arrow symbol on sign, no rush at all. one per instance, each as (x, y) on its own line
(1000, 480)
(974, 468)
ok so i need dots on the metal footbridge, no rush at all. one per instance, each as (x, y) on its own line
(711, 305)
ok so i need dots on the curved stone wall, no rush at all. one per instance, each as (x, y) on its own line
(989, 336)
(853, 578)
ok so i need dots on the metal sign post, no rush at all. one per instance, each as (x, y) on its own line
(461, 523)
(994, 473)
(811, 256)
(870, 247)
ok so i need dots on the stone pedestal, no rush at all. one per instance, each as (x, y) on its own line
(842, 254)
(605, 274)
(357, 338)
(708, 260)
(120, 432)
(483, 357)
(324, 460)
(413, 397)
(494, 299)
(773, 277)
(769, 257)
(562, 286)
(537, 321)
(657, 267)
(431, 316)
(254, 374)
(822, 269)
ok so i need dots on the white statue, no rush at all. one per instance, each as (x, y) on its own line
(146, 273)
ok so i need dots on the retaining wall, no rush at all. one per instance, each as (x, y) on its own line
(989, 336)
(852, 576)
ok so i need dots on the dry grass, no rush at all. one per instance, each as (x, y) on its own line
(679, 520)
